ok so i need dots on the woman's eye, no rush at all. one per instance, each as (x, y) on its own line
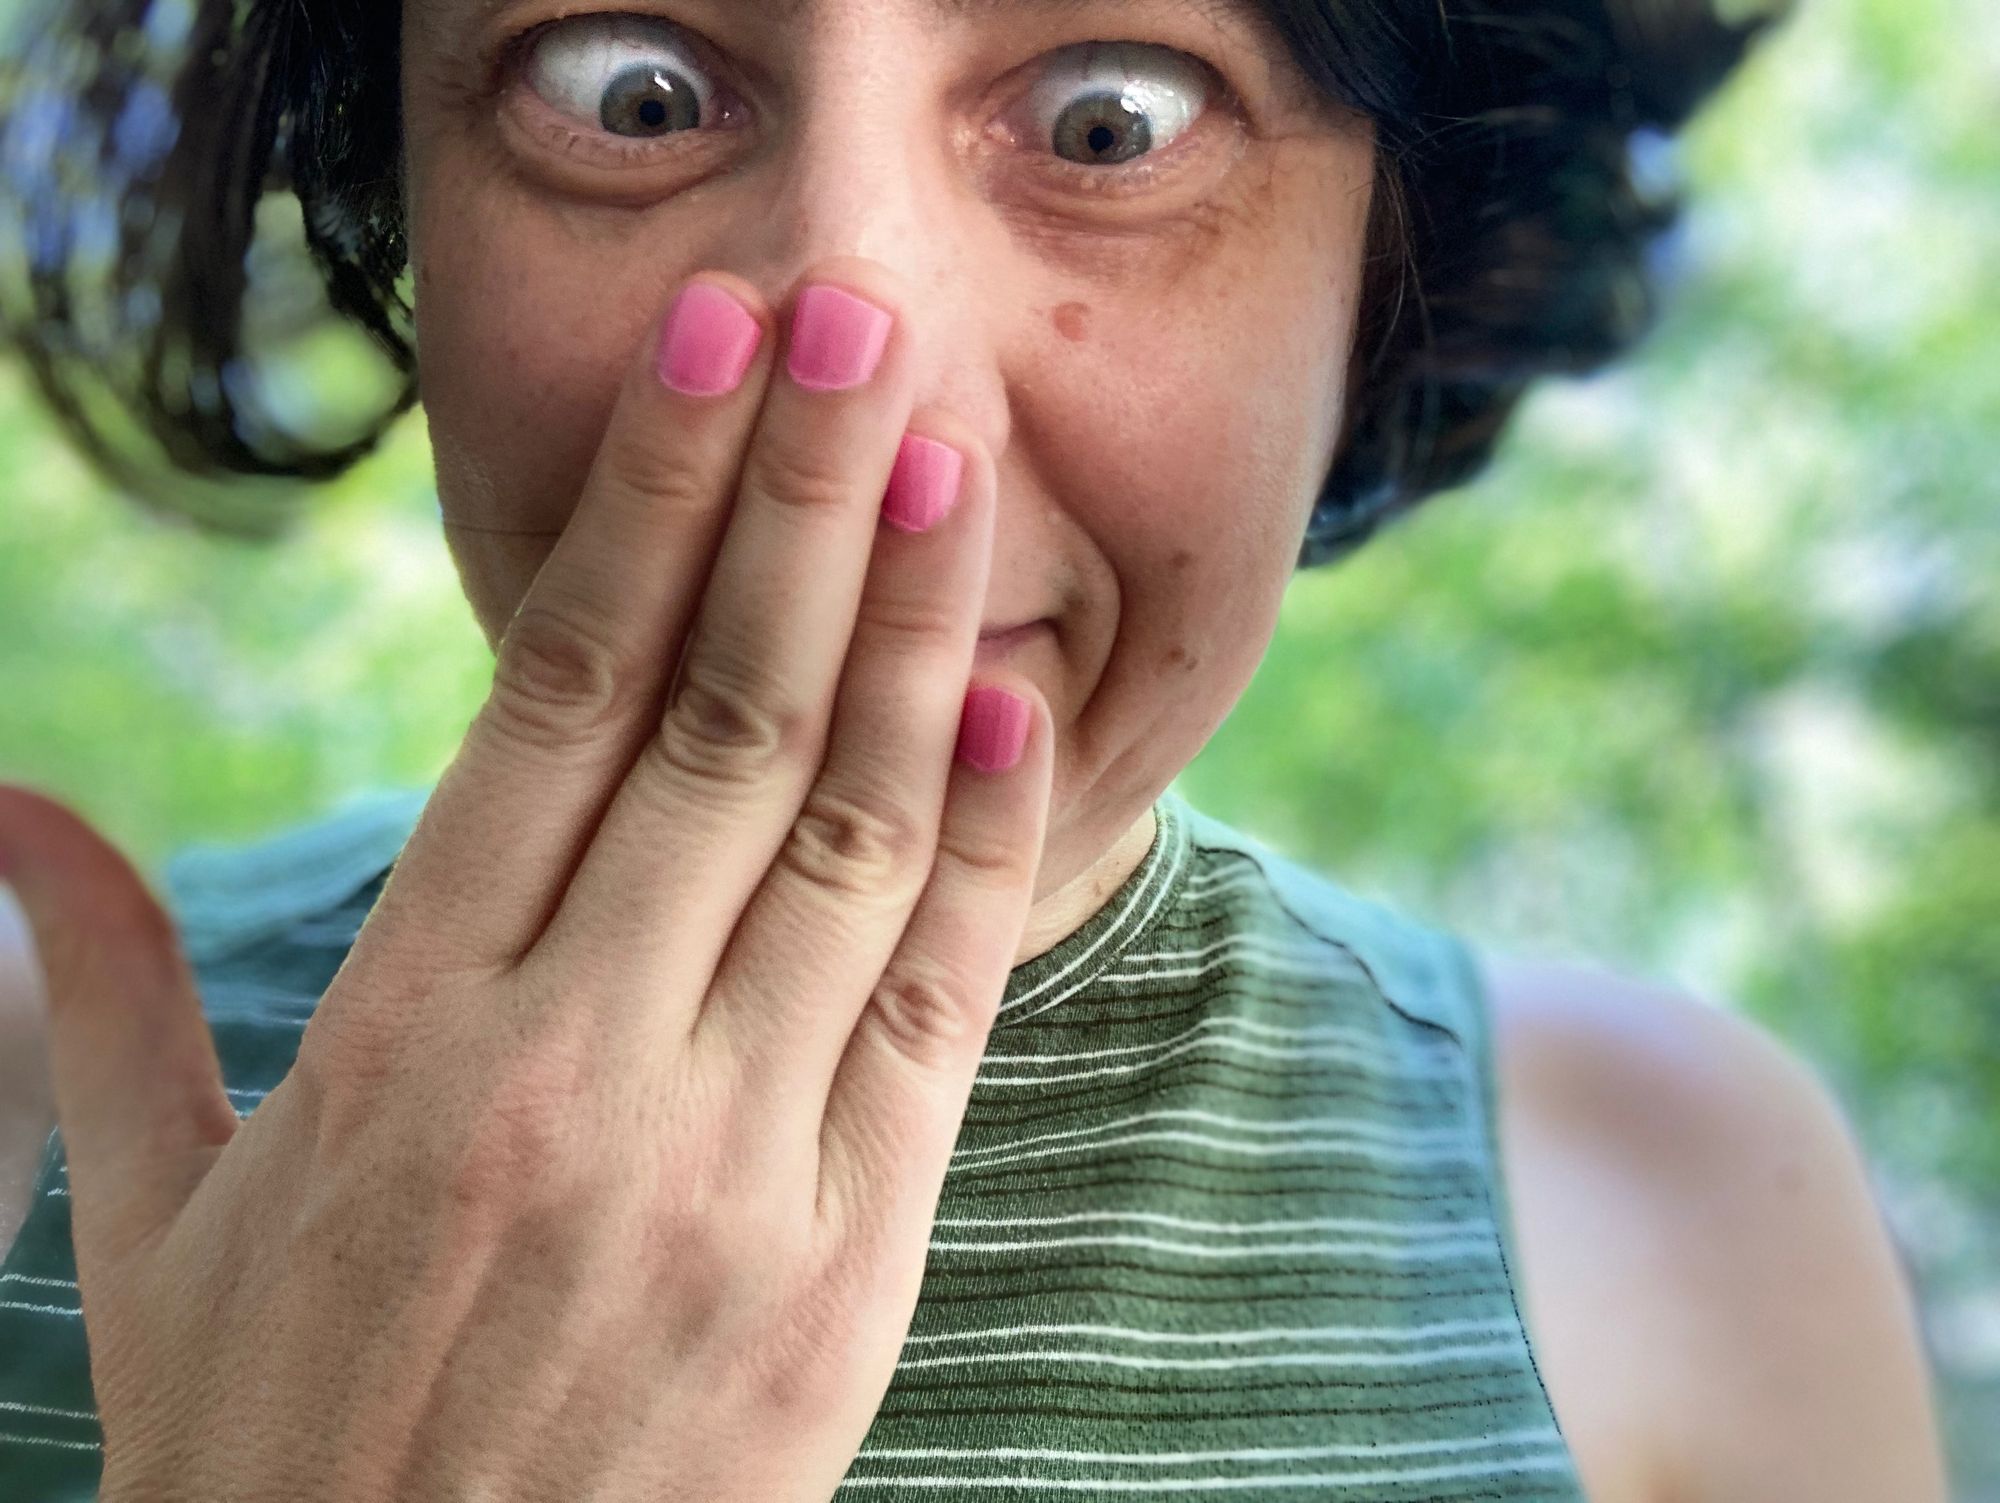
(618, 72)
(636, 78)
(1113, 102)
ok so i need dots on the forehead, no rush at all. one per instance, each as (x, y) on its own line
(1242, 16)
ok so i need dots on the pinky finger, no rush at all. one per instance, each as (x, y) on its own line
(899, 1095)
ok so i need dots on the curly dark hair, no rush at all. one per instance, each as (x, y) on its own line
(142, 140)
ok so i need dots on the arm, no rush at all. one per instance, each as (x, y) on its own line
(27, 1104)
(1713, 1286)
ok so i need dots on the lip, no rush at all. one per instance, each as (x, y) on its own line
(1003, 640)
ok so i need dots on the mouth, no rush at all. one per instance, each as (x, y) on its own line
(998, 641)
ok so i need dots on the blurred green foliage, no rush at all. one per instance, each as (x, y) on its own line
(1701, 681)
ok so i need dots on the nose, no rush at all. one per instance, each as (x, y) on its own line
(859, 155)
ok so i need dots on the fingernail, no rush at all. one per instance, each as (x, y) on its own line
(837, 338)
(992, 730)
(923, 484)
(708, 342)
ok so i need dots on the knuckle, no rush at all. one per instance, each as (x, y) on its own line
(923, 624)
(734, 1228)
(651, 467)
(557, 679)
(692, 1255)
(309, 1088)
(721, 728)
(711, 1235)
(806, 1360)
(337, 1065)
(856, 847)
(928, 1014)
(799, 476)
(348, 1064)
(992, 857)
(513, 1137)
(515, 1153)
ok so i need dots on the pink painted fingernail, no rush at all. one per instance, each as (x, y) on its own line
(708, 341)
(993, 729)
(837, 338)
(924, 483)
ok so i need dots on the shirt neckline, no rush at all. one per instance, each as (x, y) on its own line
(1047, 980)
(1120, 922)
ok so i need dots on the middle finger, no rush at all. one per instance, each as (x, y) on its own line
(707, 805)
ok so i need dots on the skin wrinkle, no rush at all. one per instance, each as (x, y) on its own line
(1159, 375)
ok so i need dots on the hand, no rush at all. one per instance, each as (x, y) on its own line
(608, 1162)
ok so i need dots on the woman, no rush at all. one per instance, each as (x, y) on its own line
(803, 1045)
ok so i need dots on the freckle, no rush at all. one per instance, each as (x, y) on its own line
(1181, 559)
(1179, 657)
(1072, 320)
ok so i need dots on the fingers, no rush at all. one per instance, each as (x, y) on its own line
(584, 665)
(833, 907)
(138, 1089)
(707, 804)
(899, 1094)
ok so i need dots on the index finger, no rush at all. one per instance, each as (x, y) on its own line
(583, 667)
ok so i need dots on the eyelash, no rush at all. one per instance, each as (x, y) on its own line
(558, 133)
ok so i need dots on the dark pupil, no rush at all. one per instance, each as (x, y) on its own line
(649, 100)
(1101, 129)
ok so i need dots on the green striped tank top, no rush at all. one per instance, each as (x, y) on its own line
(1224, 1214)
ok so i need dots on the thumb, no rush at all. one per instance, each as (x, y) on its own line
(138, 1089)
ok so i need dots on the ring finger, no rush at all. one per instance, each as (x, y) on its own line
(818, 934)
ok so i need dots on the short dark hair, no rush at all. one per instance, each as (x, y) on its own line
(1509, 236)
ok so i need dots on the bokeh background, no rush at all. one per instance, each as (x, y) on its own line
(1701, 681)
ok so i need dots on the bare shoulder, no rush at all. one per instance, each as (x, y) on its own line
(1715, 1302)
(27, 1102)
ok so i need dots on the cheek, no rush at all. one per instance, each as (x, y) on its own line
(519, 375)
(1191, 431)
(1185, 416)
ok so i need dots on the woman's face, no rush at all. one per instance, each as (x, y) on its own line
(1145, 311)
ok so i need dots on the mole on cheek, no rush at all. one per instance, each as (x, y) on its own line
(1072, 320)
